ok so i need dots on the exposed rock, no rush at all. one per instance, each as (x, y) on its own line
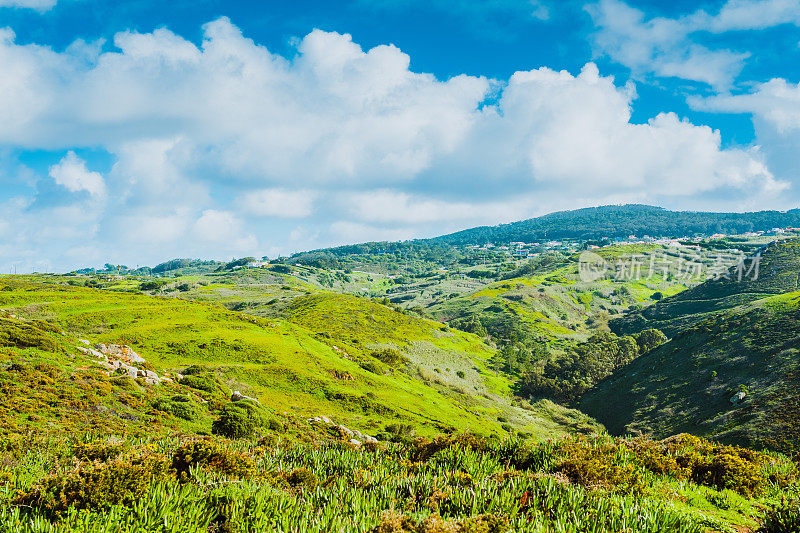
(236, 396)
(738, 397)
(121, 351)
(84, 341)
(89, 351)
(355, 442)
(346, 430)
(326, 419)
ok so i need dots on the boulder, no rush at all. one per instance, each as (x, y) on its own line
(355, 442)
(236, 396)
(326, 420)
(738, 397)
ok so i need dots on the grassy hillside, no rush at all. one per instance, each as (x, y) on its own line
(293, 367)
(687, 383)
(777, 272)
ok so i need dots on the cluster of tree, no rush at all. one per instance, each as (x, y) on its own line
(236, 263)
(566, 377)
(621, 221)
(519, 350)
(175, 264)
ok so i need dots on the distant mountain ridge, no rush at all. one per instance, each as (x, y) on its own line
(622, 221)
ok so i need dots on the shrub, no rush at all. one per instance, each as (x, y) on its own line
(203, 383)
(461, 374)
(239, 419)
(597, 463)
(371, 366)
(179, 406)
(392, 522)
(24, 335)
(649, 339)
(302, 477)
(423, 449)
(211, 456)
(728, 470)
(390, 357)
(97, 451)
(96, 486)
(657, 296)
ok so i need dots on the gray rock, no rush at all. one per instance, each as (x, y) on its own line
(738, 397)
(355, 442)
(236, 396)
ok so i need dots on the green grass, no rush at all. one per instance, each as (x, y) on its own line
(308, 363)
(686, 384)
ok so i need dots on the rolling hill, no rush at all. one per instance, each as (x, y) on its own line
(687, 384)
(777, 269)
(320, 359)
(621, 221)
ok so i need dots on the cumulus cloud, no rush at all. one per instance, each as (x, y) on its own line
(660, 46)
(38, 5)
(223, 147)
(775, 108)
(668, 47)
(71, 173)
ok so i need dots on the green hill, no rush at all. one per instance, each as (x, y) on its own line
(777, 269)
(686, 385)
(621, 221)
(316, 361)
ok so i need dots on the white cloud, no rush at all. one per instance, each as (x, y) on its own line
(387, 206)
(662, 46)
(71, 173)
(775, 108)
(279, 203)
(751, 15)
(38, 5)
(776, 102)
(223, 227)
(216, 147)
(667, 47)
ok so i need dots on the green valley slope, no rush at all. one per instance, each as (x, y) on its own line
(686, 385)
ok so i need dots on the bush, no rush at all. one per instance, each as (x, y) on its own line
(390, 357)
(25, 335)
(596, 463)
(461, 374)
(302, 477)
(96, 486)
(239, 420)
(179, 406)
(657, 296)
(97, 451)
(649, 339)
(151, 285)
(371, 366)
(211, 456)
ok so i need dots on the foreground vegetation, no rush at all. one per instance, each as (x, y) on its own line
(448, 483)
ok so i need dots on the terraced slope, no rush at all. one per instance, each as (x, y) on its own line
(288, 366)
(777, 272)
(686, 385)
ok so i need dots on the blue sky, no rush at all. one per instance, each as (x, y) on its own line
(133, 132)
